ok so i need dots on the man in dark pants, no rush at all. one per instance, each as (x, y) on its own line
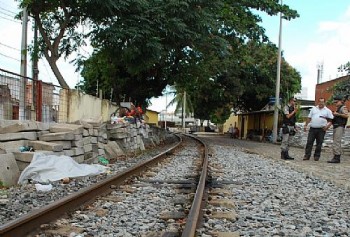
(289, 119)
(320, 118)
(339, 123)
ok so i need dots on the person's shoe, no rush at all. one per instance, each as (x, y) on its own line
(336, 159)
(283, 155)
(287, 157)
(306, 158)
(316, 158)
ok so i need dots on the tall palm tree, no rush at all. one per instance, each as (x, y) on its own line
(183, 102)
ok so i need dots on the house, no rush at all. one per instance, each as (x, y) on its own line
(258, 125)
(151, 117)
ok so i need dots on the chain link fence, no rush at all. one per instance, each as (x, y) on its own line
(22, 98)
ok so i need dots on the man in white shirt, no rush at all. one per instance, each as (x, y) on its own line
(320, 119)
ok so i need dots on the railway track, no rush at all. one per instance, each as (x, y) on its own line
(184, 191)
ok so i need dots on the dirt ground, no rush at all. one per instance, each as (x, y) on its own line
(338, 174)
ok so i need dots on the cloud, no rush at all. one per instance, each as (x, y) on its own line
(329, 46)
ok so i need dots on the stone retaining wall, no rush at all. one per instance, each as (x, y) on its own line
(83, 141)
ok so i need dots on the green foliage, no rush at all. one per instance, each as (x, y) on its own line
(214, 50)
(345, 68)
(341, 88)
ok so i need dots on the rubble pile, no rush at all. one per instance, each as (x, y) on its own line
(83, 141)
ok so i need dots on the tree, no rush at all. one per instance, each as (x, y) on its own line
(158, 43)
(58, 23)
(343, 87)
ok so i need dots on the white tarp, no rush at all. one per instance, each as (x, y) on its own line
(46, 168)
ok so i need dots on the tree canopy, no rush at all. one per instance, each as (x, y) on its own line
(214, 50)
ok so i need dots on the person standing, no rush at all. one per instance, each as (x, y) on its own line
(288, 127)
(320, 119)
(339, 123)
(235, 132)
(230, 131)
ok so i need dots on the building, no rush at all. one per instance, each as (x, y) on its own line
(151, 117)
(258, 125)
(325, 90)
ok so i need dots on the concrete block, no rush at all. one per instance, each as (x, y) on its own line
(110, 154)
(115, 126)
(86, 140)
(119, 130)
(39, 133)
(27, 156)
(100, 145)
(66, 144)
(116, 148)
(68, 153)
(78, 137)
(104, 136)
(88, 155)
(118, 135)
(88, 147)
(13, 145)
(78, 159)
(9, 171)
(18, 136)
(79, 143)
(102, 140)
(64, 127)
(22, 165)
(142, 145)
(48, 146)
(12, 126)
(86, 133)
(43, 126)
(93, 140)
(101, 152)
(59, 136)
(78, 151)
(84, 124)
(94, 148)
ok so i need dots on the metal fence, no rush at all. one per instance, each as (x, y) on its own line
(22, 98)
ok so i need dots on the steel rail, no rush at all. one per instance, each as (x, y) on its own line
(193, 216)
(32, 220)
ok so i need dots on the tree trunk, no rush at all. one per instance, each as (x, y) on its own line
(57, 72)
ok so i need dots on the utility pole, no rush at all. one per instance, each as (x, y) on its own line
(278, 79)
(23, 70)
(166, 105)
(35, 75)
(184, 112)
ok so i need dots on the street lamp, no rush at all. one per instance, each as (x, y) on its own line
(278, 79)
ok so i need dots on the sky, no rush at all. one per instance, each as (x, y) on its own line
(320, 36)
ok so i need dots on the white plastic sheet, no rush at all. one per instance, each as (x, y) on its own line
(46, 168)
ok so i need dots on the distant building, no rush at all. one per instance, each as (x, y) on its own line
(151, 117)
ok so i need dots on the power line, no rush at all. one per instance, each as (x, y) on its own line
(15, 13)
(10, 20)
(9, 57)
(6, 14)
(9, 47)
